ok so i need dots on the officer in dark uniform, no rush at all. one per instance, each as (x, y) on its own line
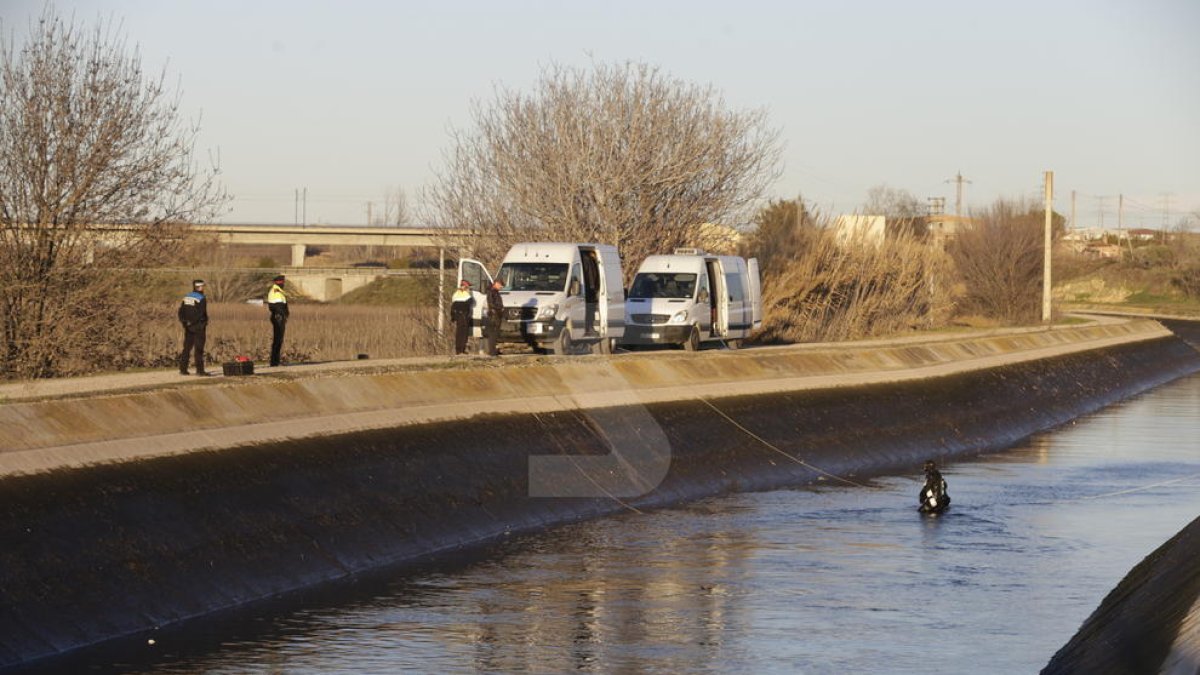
(193, 315)
(495, 316)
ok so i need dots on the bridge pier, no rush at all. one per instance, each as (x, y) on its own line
(298, 255)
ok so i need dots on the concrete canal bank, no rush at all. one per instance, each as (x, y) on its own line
(1150, 623)
(123, 513)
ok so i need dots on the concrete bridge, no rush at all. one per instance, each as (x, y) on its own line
(298, 237)
(329, 284)
(301, 236)
(323, 284)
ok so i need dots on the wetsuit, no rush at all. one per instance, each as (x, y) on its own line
(933, 498)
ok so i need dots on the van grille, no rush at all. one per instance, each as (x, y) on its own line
(651, 319)
(520, 313)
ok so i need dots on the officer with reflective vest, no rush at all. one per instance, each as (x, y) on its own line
(193, 316)
(277, 303)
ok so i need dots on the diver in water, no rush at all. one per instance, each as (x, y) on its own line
(933, 498)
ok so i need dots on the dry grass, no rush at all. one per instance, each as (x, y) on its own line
(314, 333)
(833, 290)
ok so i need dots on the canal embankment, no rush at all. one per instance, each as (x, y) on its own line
(124, 512)
(1149, 623)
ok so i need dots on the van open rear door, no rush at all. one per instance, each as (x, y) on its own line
(755, 285)
(474, 272)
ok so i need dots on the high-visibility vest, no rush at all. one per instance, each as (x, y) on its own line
(276, 295)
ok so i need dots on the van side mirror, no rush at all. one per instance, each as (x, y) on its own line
(703, 297)
(574, 288)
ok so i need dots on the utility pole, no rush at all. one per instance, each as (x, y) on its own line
(441, 322)
(1121, 224)
(1049, 189)
(1073, 223)
(958, 180)
(1166, 211)
(304, 213)
(369, 204)
(1100, 207)
(296, 207)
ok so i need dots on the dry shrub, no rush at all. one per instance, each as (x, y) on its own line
(999, 261)
(843, 291)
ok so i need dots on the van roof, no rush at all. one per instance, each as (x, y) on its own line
(663, 263)
(688, 262)
(551, 251)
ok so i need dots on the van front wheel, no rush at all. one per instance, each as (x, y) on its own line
(693, 340)
(606, 346)
(563, 344)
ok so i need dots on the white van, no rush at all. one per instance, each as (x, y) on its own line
(557, 297)
(692, 297)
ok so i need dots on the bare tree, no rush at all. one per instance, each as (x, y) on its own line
(901, 209)
(999, 261)
(395, 208)
(618, 154)
(96, 173)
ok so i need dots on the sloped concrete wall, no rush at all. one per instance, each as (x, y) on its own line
(45, 435)
(104, 551)
(1149, 623)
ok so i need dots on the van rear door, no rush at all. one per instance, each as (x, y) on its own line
(612, 293)
(474, 272)
(755, 293)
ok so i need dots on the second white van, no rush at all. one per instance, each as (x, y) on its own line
(691, 297)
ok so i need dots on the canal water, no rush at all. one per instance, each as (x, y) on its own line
(823, 579)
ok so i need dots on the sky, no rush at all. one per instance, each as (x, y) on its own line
(349, 100)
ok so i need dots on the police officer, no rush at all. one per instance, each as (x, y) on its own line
(277, 303)
(193, 315)
(495, 316)
(460, 314)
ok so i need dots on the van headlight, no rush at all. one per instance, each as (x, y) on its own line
(547, 312)
(680, 317)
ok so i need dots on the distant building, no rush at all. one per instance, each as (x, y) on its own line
(1143, 234)
(853, 227)
(1105, 251)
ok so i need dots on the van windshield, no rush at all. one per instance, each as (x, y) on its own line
(533, 276)
(663, 285)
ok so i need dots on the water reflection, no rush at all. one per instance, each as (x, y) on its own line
(822, 579)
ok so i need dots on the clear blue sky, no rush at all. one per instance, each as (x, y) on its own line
(352, 98)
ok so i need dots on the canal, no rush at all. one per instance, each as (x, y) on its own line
(823, 579)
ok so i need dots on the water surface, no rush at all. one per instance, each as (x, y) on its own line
(826, 579)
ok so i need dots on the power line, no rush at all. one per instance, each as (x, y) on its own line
(958, 180)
